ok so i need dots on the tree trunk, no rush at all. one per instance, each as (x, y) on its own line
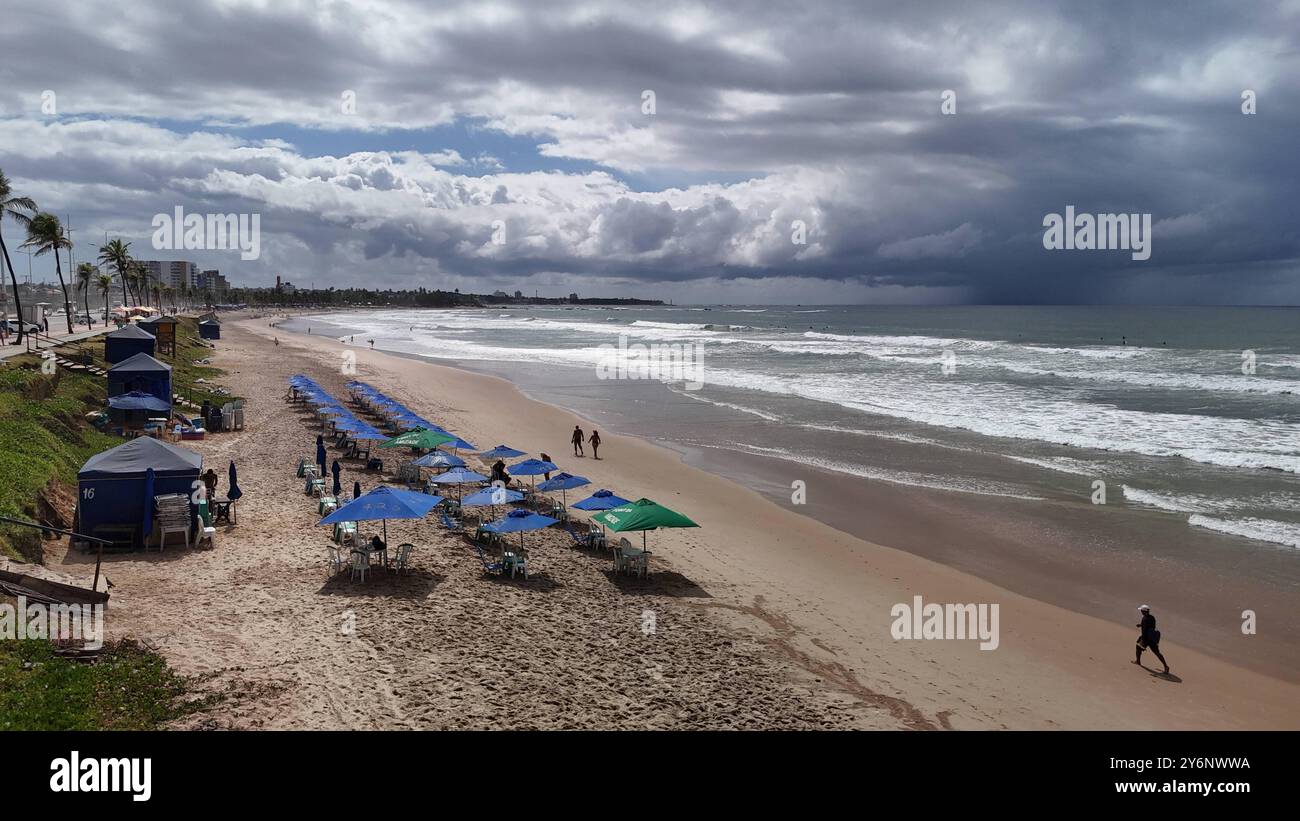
(67, 305)
(18, 305)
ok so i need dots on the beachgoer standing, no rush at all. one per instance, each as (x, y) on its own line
(546, 476)
(210, 482)
(1150, 637)
(577, 440)
(594, 440)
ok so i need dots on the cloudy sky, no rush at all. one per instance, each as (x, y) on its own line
(381, 142)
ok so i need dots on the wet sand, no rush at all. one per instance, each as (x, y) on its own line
(763, 617)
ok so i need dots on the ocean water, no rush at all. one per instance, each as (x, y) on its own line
(1031, 403)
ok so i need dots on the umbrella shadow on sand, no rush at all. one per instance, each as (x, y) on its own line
(658, 583)
(539, 582)
(383, 583)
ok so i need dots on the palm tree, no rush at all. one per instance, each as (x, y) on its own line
(86, 274)
(45, 234)
(105, 284)
(19, 209)
(117, 254)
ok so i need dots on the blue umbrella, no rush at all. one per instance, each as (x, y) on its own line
(519, 521)
(532, 467)
(492, 496)
(501, 452)
(139, 400)
(384, 503)
(458, 443)
(459, 476)
(563, 482)
(147, 525)
(601, 500)
(439, 459)
(335, 469)
(234, 492)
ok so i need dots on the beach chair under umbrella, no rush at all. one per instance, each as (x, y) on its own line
(384, 503)
(492, 496)
(642, 515)
(519, 521)
(458, 477)
(563, 482)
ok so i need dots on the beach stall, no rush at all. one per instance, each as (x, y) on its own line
(116, 488)
(164, 329)
(126, 342)
(141, 373)
(210, 329)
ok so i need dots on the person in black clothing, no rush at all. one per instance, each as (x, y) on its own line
(594, 441)
(546, 476)
(577, 440)
(499, 473)
(1150, 637)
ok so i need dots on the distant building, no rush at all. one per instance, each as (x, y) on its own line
(519, 294)
(501, 294)
(573, 298)
(178, 274)
(213, 281)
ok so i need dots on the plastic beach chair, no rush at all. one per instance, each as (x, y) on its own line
(489, 566)
(402, 561)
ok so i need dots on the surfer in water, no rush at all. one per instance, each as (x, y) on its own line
(1149, 638)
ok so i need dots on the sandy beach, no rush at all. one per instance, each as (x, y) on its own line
(762, 618)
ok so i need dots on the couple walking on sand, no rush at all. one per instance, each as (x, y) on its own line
(593, 440)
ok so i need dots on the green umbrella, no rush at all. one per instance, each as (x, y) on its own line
(421, 438)
(641, 515)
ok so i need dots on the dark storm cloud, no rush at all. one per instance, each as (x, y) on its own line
(832, 109)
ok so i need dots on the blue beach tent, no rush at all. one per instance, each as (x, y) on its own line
(141, 373)
(112, 487)
(123, 344)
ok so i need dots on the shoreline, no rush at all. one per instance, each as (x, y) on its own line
(1063, 550)
(1056, 668)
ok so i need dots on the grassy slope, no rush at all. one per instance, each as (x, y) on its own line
(127, 688)
(42, 440)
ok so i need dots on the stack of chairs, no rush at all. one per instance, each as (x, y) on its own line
(171, 515)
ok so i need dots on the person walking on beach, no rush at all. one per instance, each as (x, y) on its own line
(577, 440)
(594, 441)
(1149, 638)
(546, 476)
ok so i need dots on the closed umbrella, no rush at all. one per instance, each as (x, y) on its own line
(336, 470)
(320, 455)
(234, 493)
(146, 526)
(356, 490)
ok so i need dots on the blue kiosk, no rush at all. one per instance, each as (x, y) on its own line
(115, 489)
(125, 343)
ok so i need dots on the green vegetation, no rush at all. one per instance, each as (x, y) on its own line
(126, 688)
(43, 437)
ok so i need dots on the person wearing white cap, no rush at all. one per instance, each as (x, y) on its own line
(1150, 637)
